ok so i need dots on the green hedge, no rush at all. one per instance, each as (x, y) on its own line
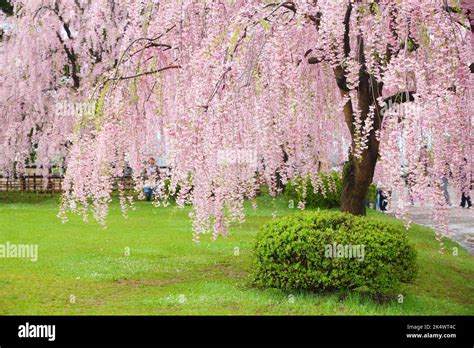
(295, 252)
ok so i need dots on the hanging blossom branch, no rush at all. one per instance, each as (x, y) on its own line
(316, 75)
(252, 23)
(122, 78)
(151, 42)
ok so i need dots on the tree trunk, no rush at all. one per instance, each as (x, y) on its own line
(359, 172)
(357, 177)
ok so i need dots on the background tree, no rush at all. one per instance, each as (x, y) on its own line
(242, 94)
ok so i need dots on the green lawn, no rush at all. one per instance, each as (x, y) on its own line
(167, 273)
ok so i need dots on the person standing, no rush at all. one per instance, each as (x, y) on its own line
(381, 200)
(466, 200)
(151, 175)
(444, 185)
(466, 183)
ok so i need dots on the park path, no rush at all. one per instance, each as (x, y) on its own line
(461, 221)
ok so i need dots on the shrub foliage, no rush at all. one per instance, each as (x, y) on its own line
(312, 251)
(323, 191)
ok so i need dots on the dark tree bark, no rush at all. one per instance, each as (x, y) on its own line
(359, 172)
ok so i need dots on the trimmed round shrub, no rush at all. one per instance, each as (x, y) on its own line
(327, 250)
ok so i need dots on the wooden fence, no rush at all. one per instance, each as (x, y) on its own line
(36, 187)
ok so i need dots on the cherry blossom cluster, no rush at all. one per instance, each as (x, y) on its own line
(234, 95)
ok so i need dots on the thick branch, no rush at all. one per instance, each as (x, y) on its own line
(71, 56)
(339, 71)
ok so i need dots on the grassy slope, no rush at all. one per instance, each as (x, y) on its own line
(165, 266)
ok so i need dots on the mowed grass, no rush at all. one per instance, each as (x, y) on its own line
(82, 269)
